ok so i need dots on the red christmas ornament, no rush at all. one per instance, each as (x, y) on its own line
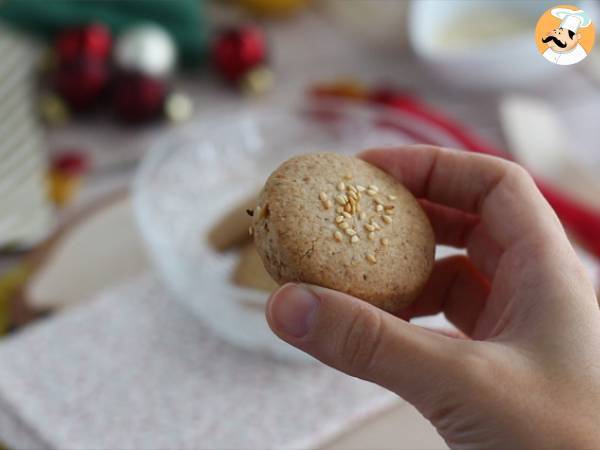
(71, 162)
(82, 83)
(138, 97)
(91, 41)
(237, 51)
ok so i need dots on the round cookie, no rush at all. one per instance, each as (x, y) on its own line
(339, 222)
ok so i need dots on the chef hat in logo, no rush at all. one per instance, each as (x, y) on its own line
(572, 20)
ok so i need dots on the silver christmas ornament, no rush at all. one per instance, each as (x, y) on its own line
(148, 49)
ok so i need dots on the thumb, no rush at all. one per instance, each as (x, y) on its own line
(361, 340)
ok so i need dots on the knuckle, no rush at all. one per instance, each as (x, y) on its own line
(504, 167)
(517, 172)
(360, 343)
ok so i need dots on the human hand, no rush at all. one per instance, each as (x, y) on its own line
(525, 370)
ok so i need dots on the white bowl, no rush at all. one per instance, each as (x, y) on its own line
(506, 58)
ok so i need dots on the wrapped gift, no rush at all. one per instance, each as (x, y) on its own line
(25, 214)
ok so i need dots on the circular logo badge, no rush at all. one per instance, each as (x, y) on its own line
(565, 35)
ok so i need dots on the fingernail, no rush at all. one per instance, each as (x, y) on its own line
(292, 309)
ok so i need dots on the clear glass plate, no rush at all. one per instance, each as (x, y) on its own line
(193, 176)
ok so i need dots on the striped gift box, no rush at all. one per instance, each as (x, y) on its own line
(25, 212)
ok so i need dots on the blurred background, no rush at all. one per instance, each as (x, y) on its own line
(133, 136)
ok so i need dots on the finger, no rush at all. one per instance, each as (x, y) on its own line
(362, 340)
(455, 334)
(451, 226)
(461, 230)
(500, 192)
(458, 290)
(484, 252)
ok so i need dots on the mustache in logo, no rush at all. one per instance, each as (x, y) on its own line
(556, 41)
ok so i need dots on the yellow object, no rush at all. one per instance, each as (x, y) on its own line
(343, 88)
(10, 282)
(274, 7)
(63, 187)
(53, 109)
(257, 81)
(178, 107)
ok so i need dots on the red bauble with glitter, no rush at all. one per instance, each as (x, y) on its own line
(82, 83)
(91, 42)
(237, 51)
(138, 97)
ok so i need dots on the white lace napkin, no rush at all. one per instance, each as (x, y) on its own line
(133, 369)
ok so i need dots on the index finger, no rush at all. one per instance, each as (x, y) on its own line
(501, 192)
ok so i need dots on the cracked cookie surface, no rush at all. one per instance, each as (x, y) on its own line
(339, 222)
